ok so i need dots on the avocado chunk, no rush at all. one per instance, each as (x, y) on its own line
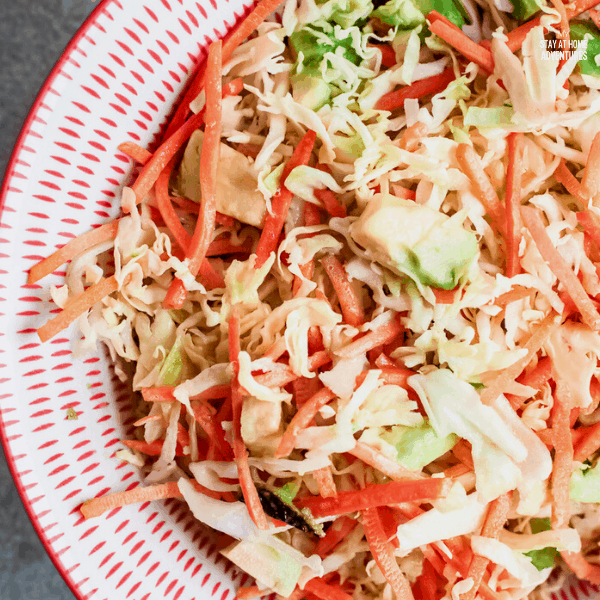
(310, 91)
(585, 484)
(416, 240)
(417, 447)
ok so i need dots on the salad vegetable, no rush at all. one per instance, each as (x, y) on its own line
(358, 285)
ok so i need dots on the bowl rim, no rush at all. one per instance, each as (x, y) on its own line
(4, 189)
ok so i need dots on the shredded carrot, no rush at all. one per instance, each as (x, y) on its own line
(149, 448)
(444, 296)
(148, 419)
(457, 470)
(428, 581)
(331, 204)
(349, 302)
(281, 377)
(247, 593)
(560, 268)
(590, 182)
(326, 591)
(512, 202)
(80, 305)
(378, 337)
(98, 506)
(513, 296)
(588, 444)
(402, 192)
(536, 379)
(590, 222)
(533, 346)
(225, 246)
(376, 495)
(388, 55)
(335, 535)
(563, 457)
(302, 419)
(186, 205)
(324, 479)
(136, 152)
(494, 522)
(391, 376)
(485, 192)
(280, 203)
(581, 567)
(183, 437)
(463, 452)
(413, 135)
(72, 249)
(568, 180)
(417, 90)
(167, 212)
(383, 554)
(595, 16)
(249, 490)
(383, 361)
(376, 459)
(455, 37)
(213, 430)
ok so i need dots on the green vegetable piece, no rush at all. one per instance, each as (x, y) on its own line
(439, 259)
(288, 492)
(453, 10)
(497, 116)
(315, 44)
(579, 30)
(400, 13)
(175, 366)
(524, 9)
(544, 558)
(310, 90)
(585, 484)
(418, 446)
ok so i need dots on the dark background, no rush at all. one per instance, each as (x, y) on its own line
(33, 35)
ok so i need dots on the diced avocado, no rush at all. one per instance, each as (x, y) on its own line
(585, 484)
(545, 557)
(271, 568)
(310, 90)
(416, 240)
(453, 10)
(400, 13)
(524, 9)
(175, 366)
(418, 446)
(579, 30)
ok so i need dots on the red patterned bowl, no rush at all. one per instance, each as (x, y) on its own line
(116, 81)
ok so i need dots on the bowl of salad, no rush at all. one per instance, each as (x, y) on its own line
(303, 298)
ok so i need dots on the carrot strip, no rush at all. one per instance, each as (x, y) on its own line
(302, 419)
(512, 202)
(224, 246)
(533, 345)
(536, 379)
(281, 201)
(494, 522)
(98, 506)
(391, 376)
(247, 593)
(331, 204)
(147, 419)
(167, 150)
(413, 135)
(336, 534)
(515, 294)
(590, 222)
(183, 436)
(568, 180)
(454, 36)
(326, 591)
(376, 495)
(378, 337)
(167, 212)
(402, 192)
(428, 581)
(417, 90)
(249, 490)
(563, 458)
(324, 479)
(388, 55)
(349, 303)
(80, 305)
(560, 268)
(588, 444)
(149, 448)
(471, 165)
(444, 296)
(72, 249)
(135, 151)
(463, 452)
(381, 462)
(282, 377)
(213, 430)
(383, 553)
(581, 567)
